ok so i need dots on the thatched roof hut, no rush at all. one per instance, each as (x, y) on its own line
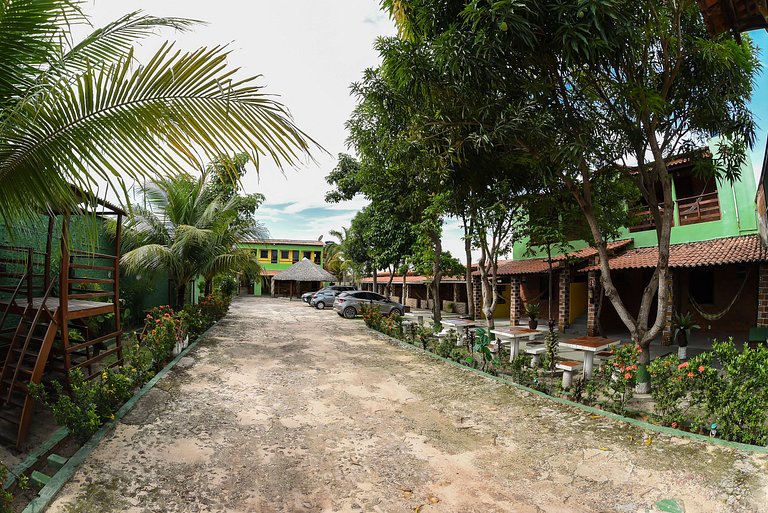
(303, 271)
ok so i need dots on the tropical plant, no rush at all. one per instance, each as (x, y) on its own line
(83, 112)
(683, 323)
(183, 230)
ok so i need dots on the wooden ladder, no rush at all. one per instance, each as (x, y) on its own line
(25, 363)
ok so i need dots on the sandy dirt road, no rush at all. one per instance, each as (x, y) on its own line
(288, 409)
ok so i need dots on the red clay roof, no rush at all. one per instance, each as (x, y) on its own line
(417, 279)
(730, 250)
(539, 265)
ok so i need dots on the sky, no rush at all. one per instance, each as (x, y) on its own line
(308, 53)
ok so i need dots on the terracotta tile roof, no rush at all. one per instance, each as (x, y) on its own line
(416, 279)
(539, 265)
(730, 250)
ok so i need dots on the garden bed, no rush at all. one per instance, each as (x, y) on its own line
(690, 391)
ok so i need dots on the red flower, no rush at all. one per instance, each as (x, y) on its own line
(701, 369)
(627, 375)
(683, 365)
(674, 425)
(639, 349)
(690, 374)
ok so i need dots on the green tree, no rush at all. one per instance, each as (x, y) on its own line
(83, 112)
(186, 232)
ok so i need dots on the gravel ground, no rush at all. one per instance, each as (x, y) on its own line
(284, 408)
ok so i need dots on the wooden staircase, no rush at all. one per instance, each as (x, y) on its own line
(25, 362)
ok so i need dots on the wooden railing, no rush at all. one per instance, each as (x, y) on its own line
(645, 219)
(26, 264)
(698, 209)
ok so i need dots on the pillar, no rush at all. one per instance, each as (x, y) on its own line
(477, 297)
(593, 291)
(456, 292)
(515, 301)
(564, 299)
(666, 335)
(762, 296)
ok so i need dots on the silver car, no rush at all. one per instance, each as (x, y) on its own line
(349, 304)
(323, 298)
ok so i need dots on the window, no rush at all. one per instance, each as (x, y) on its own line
(295, 256)
(701, 286)
(274, 256)
(264, 254)
(308, 255)
(284, 254)
(317, 257)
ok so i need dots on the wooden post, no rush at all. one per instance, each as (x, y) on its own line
(48, 250)
(290, 290)
(64, 292)
(30, 271)
(116, 290)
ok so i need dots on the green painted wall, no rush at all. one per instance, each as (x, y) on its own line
(738, 216)
(281, 264)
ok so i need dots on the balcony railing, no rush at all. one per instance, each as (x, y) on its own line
(698, 209)
(645, 219)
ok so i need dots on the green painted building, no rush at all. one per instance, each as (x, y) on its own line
(278, 254)
(717, 263)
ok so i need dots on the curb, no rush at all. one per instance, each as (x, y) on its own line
(595, 411)
(50, 490)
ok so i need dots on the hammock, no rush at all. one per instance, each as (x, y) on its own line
(715, 316)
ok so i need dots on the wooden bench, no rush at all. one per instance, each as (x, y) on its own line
(569, 367)
(535, 351)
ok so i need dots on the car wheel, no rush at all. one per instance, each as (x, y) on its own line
(350, 312)
(320, 305)
(396, 311)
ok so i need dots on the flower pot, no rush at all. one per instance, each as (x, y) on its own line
(533, 324)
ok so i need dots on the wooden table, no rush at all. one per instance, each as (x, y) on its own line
(514, 335)
(590, 346)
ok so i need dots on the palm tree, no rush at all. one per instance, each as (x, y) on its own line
(85, 112)
(183, 230)
(334, 255)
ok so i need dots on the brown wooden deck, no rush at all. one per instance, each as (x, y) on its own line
(76, 308)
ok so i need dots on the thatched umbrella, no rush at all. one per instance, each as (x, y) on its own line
(304, 270)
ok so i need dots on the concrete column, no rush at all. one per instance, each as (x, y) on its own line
(564, 299)
(593, 278)
(456, 292)
(515, 301)
(762, 296)
(666, 335)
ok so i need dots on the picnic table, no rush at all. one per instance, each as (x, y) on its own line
(590, 346)
(514, 335)
(415, 317)
(456, 325)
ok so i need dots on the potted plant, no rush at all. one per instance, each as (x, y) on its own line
(532, 311)
(683, 324)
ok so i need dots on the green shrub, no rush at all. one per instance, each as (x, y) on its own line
(228, 285)
(678, 389)
(615, 379)
(737, 397)
(445, 346)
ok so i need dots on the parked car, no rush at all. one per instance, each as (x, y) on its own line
(307, 297)
(324, 298)
(349, 304)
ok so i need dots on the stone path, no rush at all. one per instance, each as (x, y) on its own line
(289, 409)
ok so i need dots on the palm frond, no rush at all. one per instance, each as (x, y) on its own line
(113, 123)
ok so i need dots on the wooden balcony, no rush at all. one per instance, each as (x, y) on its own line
(645, 219)
(698, 209)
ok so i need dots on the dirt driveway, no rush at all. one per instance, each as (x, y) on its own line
(289, 409)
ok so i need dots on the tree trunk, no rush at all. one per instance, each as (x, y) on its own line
(209, 286)
(181, 295)
(375, 280)
(389, 283)
(549, 283)
(468, 272)
(437, 275)
(488, 287)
